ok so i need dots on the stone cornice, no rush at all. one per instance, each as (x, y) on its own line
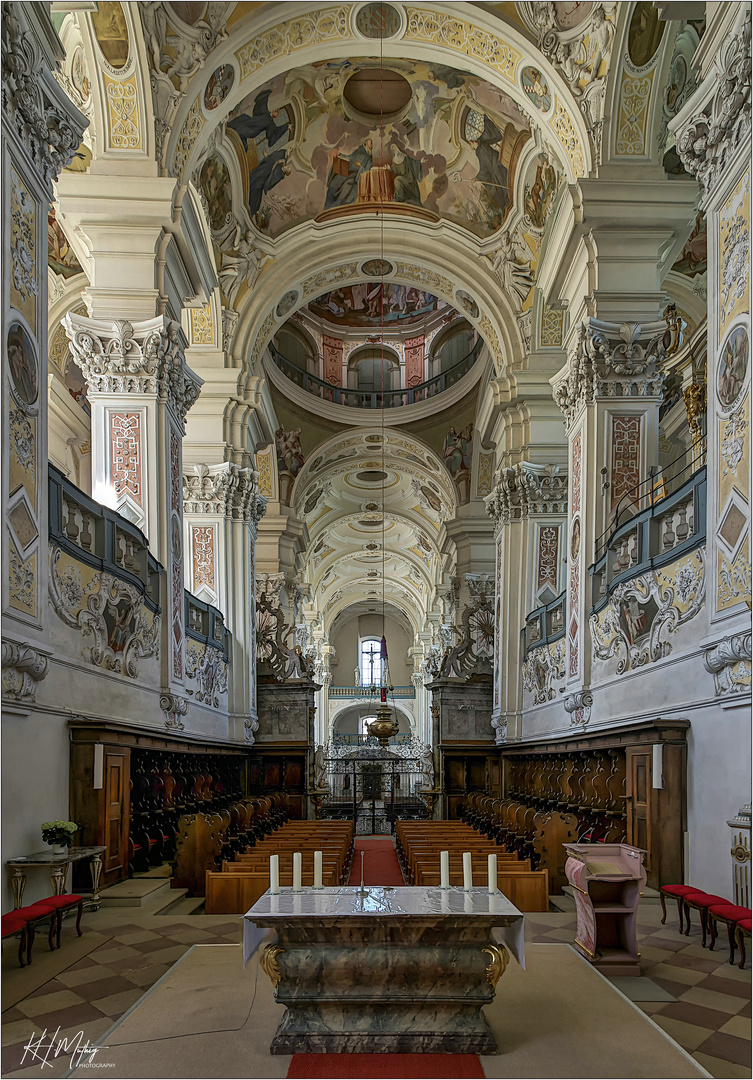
(134, 358)
(46, 121)
(716, 120)
(224, 489)
(612, 360)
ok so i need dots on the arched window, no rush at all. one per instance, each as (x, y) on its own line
(454, 347)
(370, 661)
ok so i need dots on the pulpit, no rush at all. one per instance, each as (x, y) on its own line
(384, 970)
(607, 880)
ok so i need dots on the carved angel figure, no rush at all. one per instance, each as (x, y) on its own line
(243, 265)
(515, 275)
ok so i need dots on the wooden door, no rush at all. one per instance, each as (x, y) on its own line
(116, 813)
(639, 799)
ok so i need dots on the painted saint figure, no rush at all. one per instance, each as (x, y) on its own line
(342, 182)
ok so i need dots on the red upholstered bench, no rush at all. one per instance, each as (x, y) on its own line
(60, 904)
(743, 927)
(730, 914)
(13, 925)
(32, 916)
(677, 892)
(701, 901)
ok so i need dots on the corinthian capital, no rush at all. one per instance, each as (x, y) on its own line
(141, 358)
(526, 489)
(46, 121)
(613, 360)
(224, 489)
(707, 137)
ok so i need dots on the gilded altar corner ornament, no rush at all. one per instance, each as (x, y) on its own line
(498, 964)
(269, 965)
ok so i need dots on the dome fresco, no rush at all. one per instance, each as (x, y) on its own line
(450, 147)
(369, 303)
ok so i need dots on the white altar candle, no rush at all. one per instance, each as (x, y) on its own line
(274, 874)
(317, 870)
(297, 867)
(444, 870)
(491, 863)
(467, 871)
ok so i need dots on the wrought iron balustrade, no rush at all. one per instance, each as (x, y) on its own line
(365, 399)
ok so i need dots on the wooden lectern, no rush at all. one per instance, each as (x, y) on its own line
(607, 880)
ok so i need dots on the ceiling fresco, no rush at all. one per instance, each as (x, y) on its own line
(309, 142)
(369, 303)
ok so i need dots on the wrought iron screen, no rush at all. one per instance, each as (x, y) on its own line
(373, 787)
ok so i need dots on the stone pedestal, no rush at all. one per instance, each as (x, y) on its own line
(285, 712)
(389, 970)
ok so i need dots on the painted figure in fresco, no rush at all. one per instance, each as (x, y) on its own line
(289, 452)
(734, 366)
(454, 451)
(118, 632)
(538, 199)
(342, 182)
(22, 367)
(261, 121)
(408, 173)
(491, 172)
(269, 172)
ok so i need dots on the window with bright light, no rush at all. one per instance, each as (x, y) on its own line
(371, 662)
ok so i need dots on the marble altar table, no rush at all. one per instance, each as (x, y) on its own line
(384, 970)
(58, 867)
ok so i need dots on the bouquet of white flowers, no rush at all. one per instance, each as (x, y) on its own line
(59, 832)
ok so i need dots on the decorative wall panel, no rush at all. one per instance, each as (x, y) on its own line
(625, 473)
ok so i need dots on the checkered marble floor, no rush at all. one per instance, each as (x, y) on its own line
(90, 982)
(711, 1016)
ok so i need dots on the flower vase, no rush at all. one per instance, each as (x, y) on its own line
(59, 849)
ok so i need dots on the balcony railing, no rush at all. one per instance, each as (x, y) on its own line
(370, 692)
(663, 532)
(658, 485)
(545, 624)
(206, 624)
(101, 538)
(364, 399)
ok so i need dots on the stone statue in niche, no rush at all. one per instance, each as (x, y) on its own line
(320, 768)
(427, 768)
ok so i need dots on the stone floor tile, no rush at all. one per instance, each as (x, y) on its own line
(676, 974)
(739, 1026)
(725, 1070)
(687, 1035)
(728, 1047)
(135, 936)
(695, 1014)
(168, 955)
(677, 989)
(682, 960)
(40, 1004)
(146, 977)
(711, 1000)
(103, 988)
(74, 976)
(105, 954)
(77, 1016)
(117, 1004)
(723, 985)
(131, 963)
(745, 1011)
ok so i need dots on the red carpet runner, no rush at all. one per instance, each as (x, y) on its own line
(380, 867)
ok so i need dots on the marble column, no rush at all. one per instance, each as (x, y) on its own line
(222, 507)
(609, 392)
(139, 390)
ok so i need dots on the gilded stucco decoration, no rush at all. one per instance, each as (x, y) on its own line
(23, 248)
(123, 113)
(202, 325)
(106, 610)
(642, 615)
(734, 249)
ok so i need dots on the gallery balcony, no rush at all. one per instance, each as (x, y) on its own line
(292, 380)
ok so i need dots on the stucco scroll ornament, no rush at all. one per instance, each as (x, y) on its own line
(23, 242)
(543, 668)
(47, 122)
(108, 610)
(499, 727)
(708, 138)
(676, 604)
(250, 727)
(578, 706)
(173, 706)
(23, 667)
(720, 660)
(209, 669)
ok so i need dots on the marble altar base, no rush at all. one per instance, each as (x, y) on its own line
(387, 971)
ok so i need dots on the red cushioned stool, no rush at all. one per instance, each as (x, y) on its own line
(701, 901)
(13, 925)
(62, 903)
(730, 914)
(33, 915)
(743, 927)
(677, 892)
